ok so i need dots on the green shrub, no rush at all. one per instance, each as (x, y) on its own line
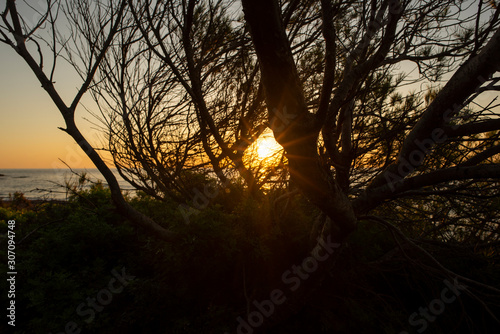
(232, 252)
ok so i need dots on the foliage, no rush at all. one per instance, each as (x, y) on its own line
(231, 256)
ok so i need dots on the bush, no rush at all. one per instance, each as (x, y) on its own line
(231, 253)
(18, 201)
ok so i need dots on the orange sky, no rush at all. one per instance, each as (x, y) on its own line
(29, 137)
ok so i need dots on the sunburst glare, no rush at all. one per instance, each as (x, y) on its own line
(267, 147)
(265, 152)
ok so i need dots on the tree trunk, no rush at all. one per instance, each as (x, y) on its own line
(293, 126)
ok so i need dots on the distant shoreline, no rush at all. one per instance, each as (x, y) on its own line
(48, 183)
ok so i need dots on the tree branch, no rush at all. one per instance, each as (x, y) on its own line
(375, 196)
(466, 80)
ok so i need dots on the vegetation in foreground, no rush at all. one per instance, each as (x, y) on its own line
(234, 253)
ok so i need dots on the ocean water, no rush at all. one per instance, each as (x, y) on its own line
(45, 183)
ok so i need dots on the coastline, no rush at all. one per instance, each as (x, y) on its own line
(47, 184)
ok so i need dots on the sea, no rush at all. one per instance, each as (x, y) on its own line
(47, 184)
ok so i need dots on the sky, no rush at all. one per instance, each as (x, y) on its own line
(29, 121)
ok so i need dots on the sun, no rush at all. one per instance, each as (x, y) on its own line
(266, 147)
(264, 153)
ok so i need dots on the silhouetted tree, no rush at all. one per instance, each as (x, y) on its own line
(378, 36)
(94, 24)
(189, 85)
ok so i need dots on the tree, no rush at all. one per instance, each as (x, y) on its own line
(199, 115)
(204, 50)
(96, 23)
(385, 36)
(409, 145)
(184, 85)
